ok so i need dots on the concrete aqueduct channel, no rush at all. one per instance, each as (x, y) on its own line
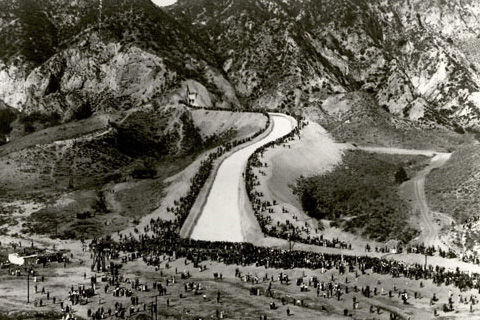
(222, 211)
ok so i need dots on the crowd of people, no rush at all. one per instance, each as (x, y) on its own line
(262, 207)
(165, 241)
(183, 205)
(161, 238)
(163, 245)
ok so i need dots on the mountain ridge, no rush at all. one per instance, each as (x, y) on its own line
(403, 53)
(76, 58)
(112, 64)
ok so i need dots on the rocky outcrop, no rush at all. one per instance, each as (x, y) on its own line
(417, 58)
(412, 55)
(115, 68)
(104, 75)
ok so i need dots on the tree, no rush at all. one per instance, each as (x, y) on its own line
(7, 116)
(310, 204)
(401, 175)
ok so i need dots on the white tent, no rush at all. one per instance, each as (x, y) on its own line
(14, 258)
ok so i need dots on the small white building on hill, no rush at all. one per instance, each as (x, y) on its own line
(191, 97)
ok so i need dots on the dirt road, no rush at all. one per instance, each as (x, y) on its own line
(416, 188)
(430, 230)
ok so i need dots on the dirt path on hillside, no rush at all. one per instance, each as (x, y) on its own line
(412, 152)
(430, 229)
(416, 188)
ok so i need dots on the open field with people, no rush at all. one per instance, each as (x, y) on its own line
(200, 280)
(239, 159)
(319, 270)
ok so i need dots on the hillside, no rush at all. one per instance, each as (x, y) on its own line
(454, 188)
(356, 117)
(417, 59)
(361, 195)
(92, 95)
(73, 59)
(412, 56)
(115, 169)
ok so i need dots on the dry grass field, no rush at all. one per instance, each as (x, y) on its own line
(454, 188)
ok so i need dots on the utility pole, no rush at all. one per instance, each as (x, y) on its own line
(29, 269)
(28, 286)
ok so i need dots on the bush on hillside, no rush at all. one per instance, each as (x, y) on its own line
(7, 116)
(401, 175)
(46, 120)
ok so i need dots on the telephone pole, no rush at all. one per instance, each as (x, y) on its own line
(28, 286)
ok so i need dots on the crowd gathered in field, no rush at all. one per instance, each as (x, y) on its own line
(163, 245)
(159, 242)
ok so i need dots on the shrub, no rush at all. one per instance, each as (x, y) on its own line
(459, 129)
(7, 116)
(401, 175)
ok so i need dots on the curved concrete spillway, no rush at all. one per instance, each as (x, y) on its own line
(223, 215)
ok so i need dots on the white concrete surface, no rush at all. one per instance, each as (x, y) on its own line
(221, 217)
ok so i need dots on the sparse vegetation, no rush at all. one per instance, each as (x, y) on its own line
(38, 120)
(156, 134)
(39, 35)
(144, 171)
(454, 188)
(362, 121)
(360, 195)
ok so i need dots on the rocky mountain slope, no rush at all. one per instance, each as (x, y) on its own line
(74, 58)
(357, 118)
(415, 57)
